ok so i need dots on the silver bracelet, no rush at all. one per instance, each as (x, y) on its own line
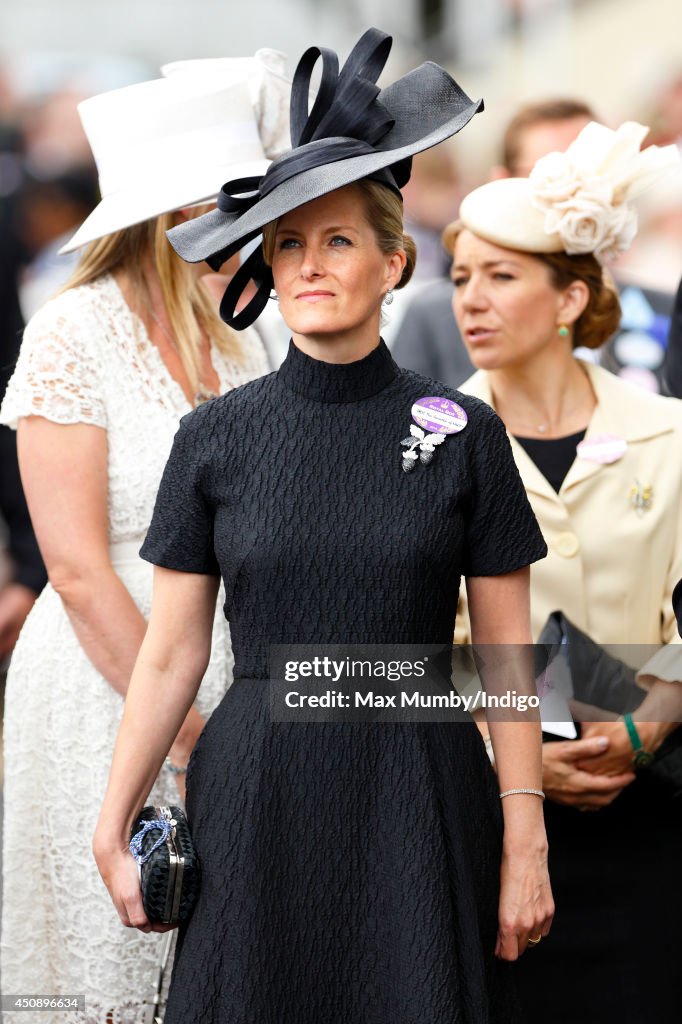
(175, 769)
(513, 792)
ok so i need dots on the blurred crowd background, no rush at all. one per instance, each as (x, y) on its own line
(623, 58)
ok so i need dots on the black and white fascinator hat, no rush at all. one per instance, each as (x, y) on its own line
(354, 130)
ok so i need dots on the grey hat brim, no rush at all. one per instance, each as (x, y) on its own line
(428, 107)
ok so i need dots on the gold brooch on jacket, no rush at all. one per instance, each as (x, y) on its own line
(641, 498)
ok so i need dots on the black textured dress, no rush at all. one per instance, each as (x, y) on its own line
(350, 870)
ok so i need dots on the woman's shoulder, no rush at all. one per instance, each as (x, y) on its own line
(635, 412)
(230, 407)
(475, 405)
(73, 312)
(62, 363)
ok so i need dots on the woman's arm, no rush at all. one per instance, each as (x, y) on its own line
(499, 610)
(172, 660)
(573, 771)
(64, 472)
(659, 714)
(65, 478)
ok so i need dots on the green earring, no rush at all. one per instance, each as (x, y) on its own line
(563, 331)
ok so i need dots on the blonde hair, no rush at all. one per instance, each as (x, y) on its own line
(601, 317)
(384, 213)
(190, 308)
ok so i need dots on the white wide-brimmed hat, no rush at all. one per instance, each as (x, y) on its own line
(269, 88)
(580, 201)
(174, 141)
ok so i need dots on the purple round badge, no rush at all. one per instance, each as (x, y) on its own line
(439, 415)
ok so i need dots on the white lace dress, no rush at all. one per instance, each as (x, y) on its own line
(86, 359)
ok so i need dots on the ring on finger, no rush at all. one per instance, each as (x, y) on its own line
(535, 942)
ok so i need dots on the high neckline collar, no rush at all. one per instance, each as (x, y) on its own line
(338, 382)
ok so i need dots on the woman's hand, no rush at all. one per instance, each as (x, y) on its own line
(120, 875)
(172, 661)
(526, 905)
(617, 758)
(189, 733)
(619, 755)
(657, 716)
(16, 601)
(568, 776)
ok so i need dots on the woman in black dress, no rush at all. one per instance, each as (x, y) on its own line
(351, 872)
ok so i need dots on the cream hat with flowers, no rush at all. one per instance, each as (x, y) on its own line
(579, 201)
(173, 142)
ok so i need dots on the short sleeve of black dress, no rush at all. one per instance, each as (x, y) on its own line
(677, 605)
(502, 531)
(180, 535)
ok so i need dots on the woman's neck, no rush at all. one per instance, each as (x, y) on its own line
(544, 397)
(345, 347)
(143, 294)
(143, 288)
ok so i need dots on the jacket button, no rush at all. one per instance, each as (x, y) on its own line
(567, 545)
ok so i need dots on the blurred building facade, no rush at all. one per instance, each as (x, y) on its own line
(615, 53)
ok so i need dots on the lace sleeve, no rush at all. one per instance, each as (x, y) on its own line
(58, 374)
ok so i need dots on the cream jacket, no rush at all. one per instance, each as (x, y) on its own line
(611, 566)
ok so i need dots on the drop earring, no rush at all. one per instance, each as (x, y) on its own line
(563, 331)
(388, 297)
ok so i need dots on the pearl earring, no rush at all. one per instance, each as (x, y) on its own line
(388, 297)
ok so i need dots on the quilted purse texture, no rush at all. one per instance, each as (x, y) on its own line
(169, 868)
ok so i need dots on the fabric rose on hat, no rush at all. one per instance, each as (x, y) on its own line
(586, 223)
(586, 192)
(554, 179)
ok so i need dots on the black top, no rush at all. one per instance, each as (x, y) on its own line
(28, 568)
(553, 456)
(291, 488)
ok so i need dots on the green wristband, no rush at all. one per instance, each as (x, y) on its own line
(642, 757)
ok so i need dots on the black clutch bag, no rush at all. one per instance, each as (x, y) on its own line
(607, 682)
(161, 843)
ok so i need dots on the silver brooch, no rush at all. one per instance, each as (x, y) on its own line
(426, 445)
